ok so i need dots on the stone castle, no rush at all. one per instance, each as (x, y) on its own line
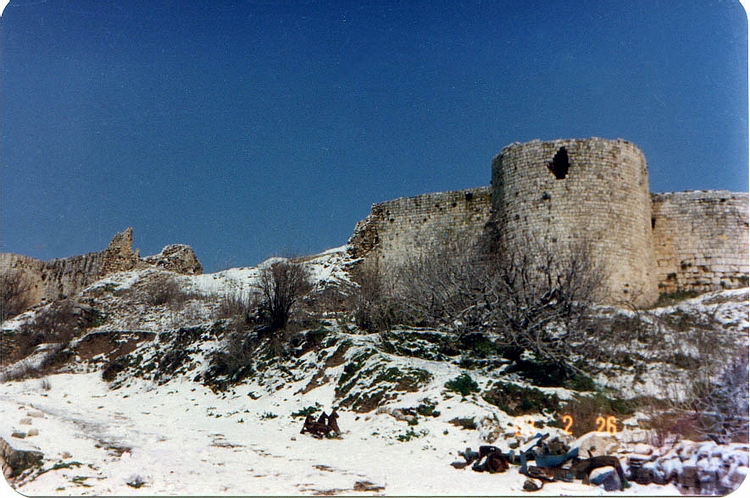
(560, 192)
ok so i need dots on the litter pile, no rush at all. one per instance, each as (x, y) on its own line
(554, 461)
(696, 468)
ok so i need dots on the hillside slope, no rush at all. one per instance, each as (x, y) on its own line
(139, 385)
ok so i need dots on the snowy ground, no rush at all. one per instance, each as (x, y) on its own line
(181, 438)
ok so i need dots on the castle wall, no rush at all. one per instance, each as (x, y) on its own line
(701, 240)
(57, 278)
(598, 198)
(398, 229)
(49, 280)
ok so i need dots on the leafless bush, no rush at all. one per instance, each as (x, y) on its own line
(283, 284)
(446, 284)
(59, 323)
(542, 300)
(537, 300)
(373, 301)
(15, 290)
(237, 305)
(166, 290)
(721, 405)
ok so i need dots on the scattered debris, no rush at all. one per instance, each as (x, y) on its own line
(554, 461)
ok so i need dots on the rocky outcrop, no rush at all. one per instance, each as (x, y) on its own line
(177, 258)
(59, 278)
(14, 461)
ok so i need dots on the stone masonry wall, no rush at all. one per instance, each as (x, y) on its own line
(397, 229)
(650, 244)
(701, 240)
(597, 196)
(51, 280)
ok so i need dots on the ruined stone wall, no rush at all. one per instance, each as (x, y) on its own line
(598, 195)
(701, 240)
(57, 278)
(50, 280)
(398, 229)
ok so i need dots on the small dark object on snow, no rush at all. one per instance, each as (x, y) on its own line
(530, 485)
(332, 421)
(487, 459)
(325, 425)
(469, 455)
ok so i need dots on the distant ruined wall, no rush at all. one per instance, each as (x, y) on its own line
(57, 278)
(701, 240)
(398, 229)
(50, 280)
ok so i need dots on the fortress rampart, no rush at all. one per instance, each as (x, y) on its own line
(51, 280)
(701, 240)
(596, 192)
(405, 226)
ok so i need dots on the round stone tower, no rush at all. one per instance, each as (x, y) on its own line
(570, 193)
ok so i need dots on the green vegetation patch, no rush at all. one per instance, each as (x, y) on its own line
(516, 400)
(308, 410)
(463, 385)
(365, 383)
(671, 298)
(427, 345)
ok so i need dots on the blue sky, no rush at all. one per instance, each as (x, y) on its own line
(252, 128)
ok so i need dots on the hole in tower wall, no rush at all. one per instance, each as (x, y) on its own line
(560, 164)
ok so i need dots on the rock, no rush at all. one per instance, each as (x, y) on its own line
(607, 478)
(643, 449)
(178, 258)
(119, 255)
(529, 485)
(15, 461)
(598, 443)
(360, 486)
(33, 432)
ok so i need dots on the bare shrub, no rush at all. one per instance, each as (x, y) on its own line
(447, 284)
(15, 292)
(721, 405)
(166, 290)
(543, 299)
(537, 301)
(59, 323)
(283, 284)
(373, 301)
(236, 304)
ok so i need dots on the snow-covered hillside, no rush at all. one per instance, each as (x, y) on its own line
(168, 421)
